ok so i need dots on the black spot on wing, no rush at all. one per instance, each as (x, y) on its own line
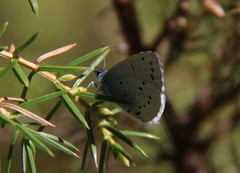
(152, 77)
(152, 69)
(138, 113)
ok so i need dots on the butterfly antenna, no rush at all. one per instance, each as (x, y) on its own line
(104, 63)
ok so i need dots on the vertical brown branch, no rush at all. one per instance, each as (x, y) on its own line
(129, 24)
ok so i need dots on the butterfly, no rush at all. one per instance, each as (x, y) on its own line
(139, 81)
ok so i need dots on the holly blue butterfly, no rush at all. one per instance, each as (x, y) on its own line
(138, 80)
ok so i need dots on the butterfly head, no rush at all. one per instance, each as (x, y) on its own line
(100, 73)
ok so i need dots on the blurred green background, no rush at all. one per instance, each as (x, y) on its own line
(92, 24)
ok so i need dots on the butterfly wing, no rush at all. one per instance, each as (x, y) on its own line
(139, 80)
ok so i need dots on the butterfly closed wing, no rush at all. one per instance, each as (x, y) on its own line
(138, 80)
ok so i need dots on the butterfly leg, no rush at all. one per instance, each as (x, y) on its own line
(91, 84)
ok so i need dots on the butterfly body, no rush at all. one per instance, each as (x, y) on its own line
(139, 80)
